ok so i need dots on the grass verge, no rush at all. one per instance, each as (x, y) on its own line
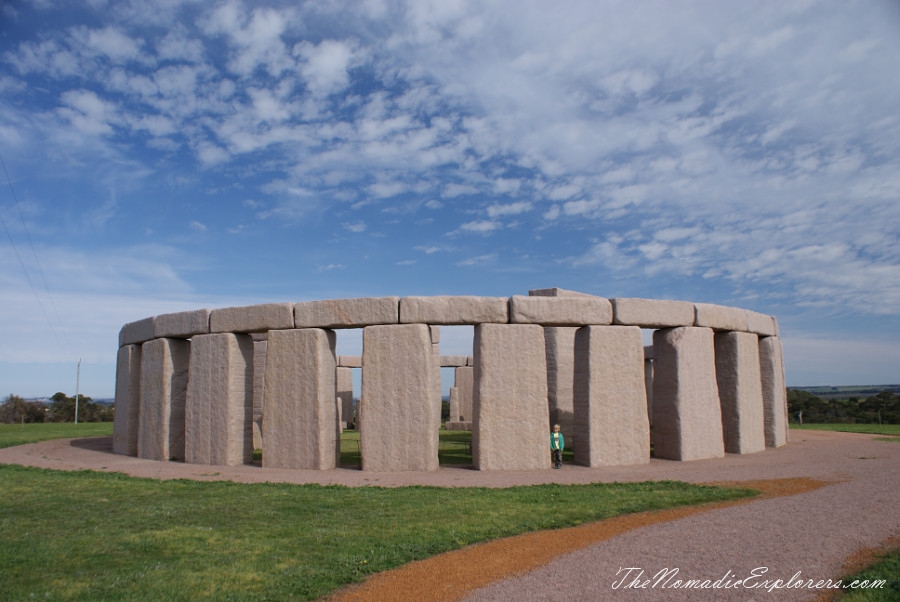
(886, 567)
(100, 536)
(20, 434)
(874, 429)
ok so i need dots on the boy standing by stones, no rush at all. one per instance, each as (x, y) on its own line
(557, 444)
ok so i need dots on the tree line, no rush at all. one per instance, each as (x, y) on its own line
(61, 408)
(882, 408)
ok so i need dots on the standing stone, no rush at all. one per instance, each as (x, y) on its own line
(300, 427)
(219, 406)
(740, 392)
(560, 348)
(344, 391)
(400, 417)
(648, 387)
(775, 416)
(454, 405)
(611, 423)
(464, 381)
(128, 400)
(435, 333)
(511, 428)
(259, 388)
(164, 378)
(687, 418)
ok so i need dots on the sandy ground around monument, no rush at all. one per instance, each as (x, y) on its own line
(830, 498)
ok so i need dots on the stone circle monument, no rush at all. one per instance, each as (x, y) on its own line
(207, 386)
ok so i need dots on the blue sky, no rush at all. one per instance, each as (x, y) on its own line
(169, 155)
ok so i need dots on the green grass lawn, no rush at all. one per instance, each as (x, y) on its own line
(875, 429)
(19, 434)
(888, 568)
(99, 536)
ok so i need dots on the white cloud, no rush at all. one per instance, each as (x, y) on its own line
(481, 226)
(355, 227)
(508, 209)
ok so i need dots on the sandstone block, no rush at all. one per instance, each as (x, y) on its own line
(218, 421)
(556, 292)
(559, 311)
(301, 429)
(252, 318)
(740, 392)
(648, 386)
(454, 405)
(611, 426)
(448, 310)
(435, 334)
(259, 388)
(720, 317)
(775, 417)
(458, 425)
(761, 324)
(182, 325)
(652, 313)
(687, 417)
(464, 381)
(164, 378)
(399, 416)
(135, 333)
(128, 400)
(559, 343)
(511, 423)
(350, 361)
(344, 385)
(454, 361)
(347, 313)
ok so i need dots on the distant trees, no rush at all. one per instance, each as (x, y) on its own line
(61, 409)
(882, 408)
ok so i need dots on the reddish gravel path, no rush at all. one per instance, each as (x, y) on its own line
(813, 532)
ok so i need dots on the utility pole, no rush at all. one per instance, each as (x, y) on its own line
(77, 385)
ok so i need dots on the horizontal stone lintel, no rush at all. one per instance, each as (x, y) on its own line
(137, 332)
(347, 313)
(560, 311)
(349, 361)
(454, 310)
(181, 325)
(455, 361)
(252, 318)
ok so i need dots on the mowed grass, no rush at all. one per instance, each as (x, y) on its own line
(887, 567)
(874, 429)
(99, 536)
(20, 434)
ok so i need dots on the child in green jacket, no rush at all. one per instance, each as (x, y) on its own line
(557, 444)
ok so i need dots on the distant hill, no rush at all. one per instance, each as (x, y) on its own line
(861, 391)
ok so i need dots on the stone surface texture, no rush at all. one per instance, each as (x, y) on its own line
(219, 406)
(761, 324)
(511, 428)
(454, 361)
(399, 415)
(556, 292)
(720, 317)
(164, 378)
(559, 343)
(687, 418)
(128, 400)
(300, 422)
(182, 325)
(350, 361)
(259, 389)
(740, 392)
(135, 333)
(652, 313)
(344, 392)
(559, 311)
(253, 318)
(454, 405)
(347, 313)
(611, 423)
(771, 366)
(464, 381)
(451, 310)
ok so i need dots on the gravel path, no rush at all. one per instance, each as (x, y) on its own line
(813, 532)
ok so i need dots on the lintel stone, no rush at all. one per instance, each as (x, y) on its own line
(761, 324)
(559, 311)
(347, 313)
(454, 361)
(350, 361)
(135, 333)
(252, 318)
(652, 313)
(720, 317)
(181, 325)
(454, 310)
(556, 292)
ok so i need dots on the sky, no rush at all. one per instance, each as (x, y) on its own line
(161, 156)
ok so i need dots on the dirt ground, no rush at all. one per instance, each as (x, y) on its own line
(829, 498)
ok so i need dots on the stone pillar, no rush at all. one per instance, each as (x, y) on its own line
(164, 379)
(771, 365)
(128, 400)
(648, 386)
(259, 388)
(611, 423)
(464, 381)
(300, 428)
(398, 426)
(454, 404)
(435, 333)
(218, 421)
(344, 391)
(511, 429)
(740, 392)
(560, 346)
(687, 418)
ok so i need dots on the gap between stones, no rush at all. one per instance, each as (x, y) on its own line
(452, 575)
